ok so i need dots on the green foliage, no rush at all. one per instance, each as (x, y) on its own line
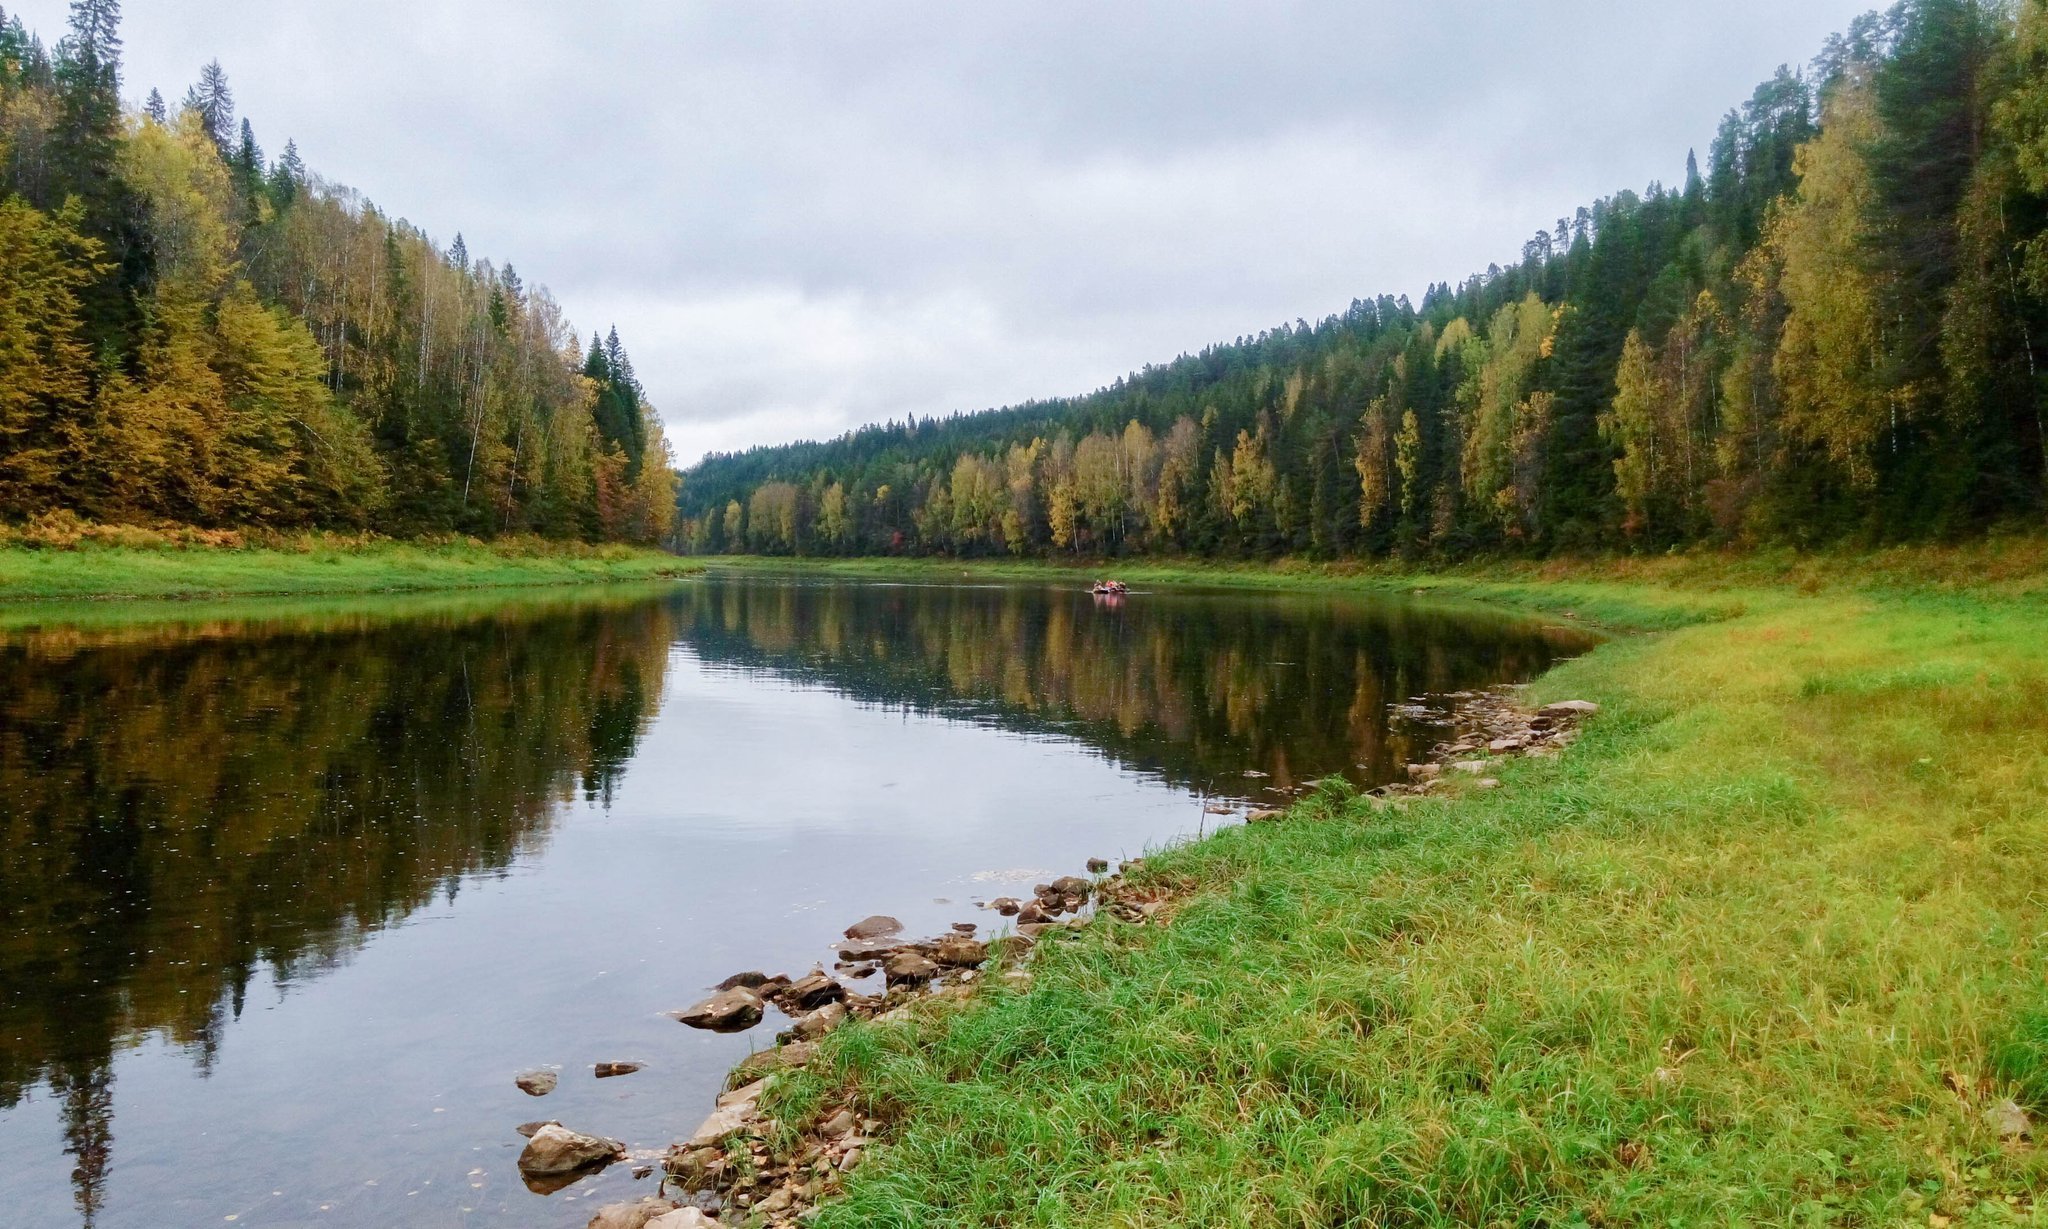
(2021, 1060)
(1832, 330)
(45, 367)
(190, 333)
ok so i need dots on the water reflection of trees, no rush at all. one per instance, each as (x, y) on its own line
(1198, 689)
(179, 809)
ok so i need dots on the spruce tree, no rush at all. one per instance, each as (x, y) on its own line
(85, 144)
(249, 155)
(287, 177)
(154, 108)
(88, 130)
(215, 104)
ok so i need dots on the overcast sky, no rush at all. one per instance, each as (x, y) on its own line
(806, 216)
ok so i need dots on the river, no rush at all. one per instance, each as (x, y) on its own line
(289, 892)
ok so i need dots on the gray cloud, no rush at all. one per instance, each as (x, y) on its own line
(803, 216)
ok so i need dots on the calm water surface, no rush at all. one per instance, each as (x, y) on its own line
(288, 896)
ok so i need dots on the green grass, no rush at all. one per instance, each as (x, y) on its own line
(313, 565)
(1759, 950)
(158, 620)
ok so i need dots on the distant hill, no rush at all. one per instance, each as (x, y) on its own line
(1834, 328)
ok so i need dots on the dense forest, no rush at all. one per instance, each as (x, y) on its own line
(194, 332)
(1833, 329)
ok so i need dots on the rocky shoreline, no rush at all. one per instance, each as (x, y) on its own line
(741, 1164)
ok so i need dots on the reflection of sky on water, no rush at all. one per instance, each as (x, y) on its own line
(769, 790)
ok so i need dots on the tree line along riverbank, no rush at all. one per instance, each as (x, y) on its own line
(1763, 947)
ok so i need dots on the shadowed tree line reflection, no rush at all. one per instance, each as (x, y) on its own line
(1196, 688)
(186, 809)
(181, 807)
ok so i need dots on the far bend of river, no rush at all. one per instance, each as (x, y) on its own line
(289, 894)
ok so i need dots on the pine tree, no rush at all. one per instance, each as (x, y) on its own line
(154, 108)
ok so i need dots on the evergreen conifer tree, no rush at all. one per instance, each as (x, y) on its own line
(215, 104)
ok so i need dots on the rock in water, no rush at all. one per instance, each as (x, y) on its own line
(753, 979)
(1072, 885)
(880, 926)
(813, 1025)
(1097, 865)
(728, 1011)
(535, 1083)
(909, 967)
(555, 1149)
(813, 991)
(630, 1215)
(959, 951)
(1006, 905)
(606, 1071)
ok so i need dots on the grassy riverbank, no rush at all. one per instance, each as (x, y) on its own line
(1764, 948)
(310, 565)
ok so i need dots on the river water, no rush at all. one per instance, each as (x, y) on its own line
(289, 893)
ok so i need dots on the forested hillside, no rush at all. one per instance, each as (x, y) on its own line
(1831, 329)
(194, 332)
